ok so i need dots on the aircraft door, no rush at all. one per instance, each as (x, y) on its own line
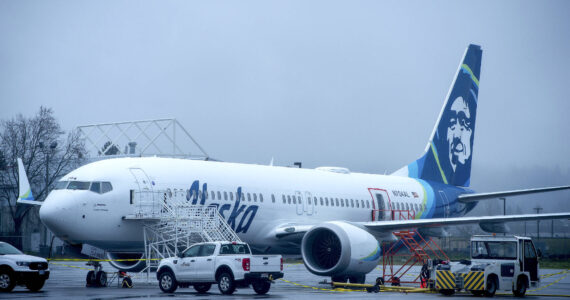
(381, 205)
(445, 203)
(144, 185)
(299, 201)
(309, 204)
(530, 260)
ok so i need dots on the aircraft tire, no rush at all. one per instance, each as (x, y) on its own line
(101, 279)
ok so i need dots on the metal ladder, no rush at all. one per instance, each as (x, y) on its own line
(172, 223)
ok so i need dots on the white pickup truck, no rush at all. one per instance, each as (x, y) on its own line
(16, 268)
(230, 264)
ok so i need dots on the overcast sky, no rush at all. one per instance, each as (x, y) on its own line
(357, 84)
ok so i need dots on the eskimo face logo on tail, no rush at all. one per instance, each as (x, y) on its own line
(459, 132)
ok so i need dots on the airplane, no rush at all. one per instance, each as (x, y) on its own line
(332, 217)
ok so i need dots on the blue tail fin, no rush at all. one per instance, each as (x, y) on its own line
(447, 157)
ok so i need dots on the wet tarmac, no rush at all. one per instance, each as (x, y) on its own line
(67, 281)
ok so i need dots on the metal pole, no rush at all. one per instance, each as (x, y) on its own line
(504, 209)
(538, 209)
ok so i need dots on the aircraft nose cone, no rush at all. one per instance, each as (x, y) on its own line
(50, 216)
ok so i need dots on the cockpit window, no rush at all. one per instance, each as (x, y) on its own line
(61, 185)
(78, 185)
(96, 187)
(106, 187)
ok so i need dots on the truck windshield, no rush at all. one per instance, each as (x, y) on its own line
(234, 249)
(493, 250)
(8, 249)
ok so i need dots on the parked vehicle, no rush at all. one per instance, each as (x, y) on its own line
(229, 264)
(17, 268)
(505, 263)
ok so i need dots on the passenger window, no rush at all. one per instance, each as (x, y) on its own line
(315, 200)
(207, 250)
(254, 197)
(260, 197)
(288, 199)
(357, 206)
(248, 197)
(61, 185)
(309, 200)
(272, 198)
(213, 195)
(362, 203)
(321, 198)
(283, 199)
(225, 195)
(219, 195)
(336, 200)
(95, 187)
(192, 251)
(327, 201)
(294, 199)
(352, 202)
(231, 196)
(367, 203)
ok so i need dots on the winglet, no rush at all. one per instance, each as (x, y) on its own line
(25, 196)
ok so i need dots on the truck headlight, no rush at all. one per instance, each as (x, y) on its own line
(23, 263)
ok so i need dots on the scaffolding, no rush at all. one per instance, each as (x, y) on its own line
(159, 137)
(172, 222)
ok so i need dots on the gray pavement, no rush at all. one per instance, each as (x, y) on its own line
(67, 281)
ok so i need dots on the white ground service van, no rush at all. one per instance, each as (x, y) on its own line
(17, 268)
(229, 264)
(505, 263)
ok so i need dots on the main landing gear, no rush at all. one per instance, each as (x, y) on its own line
(97, 277)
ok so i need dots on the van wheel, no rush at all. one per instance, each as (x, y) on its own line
(447, 292)
(261, 287)
(226, 283)
(520, 288)
(202, 287)
(35, 285)
(7, 280)
(491, 286)
(167, 282)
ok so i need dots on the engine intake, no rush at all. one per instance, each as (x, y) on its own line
(339, 248)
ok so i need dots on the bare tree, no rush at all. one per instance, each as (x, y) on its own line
(47, 154)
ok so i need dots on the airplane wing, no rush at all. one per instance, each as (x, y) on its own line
(25, 195)
(466, 198)
(384, 226)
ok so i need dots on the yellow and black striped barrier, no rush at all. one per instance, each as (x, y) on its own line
(475, 281)
(444, 280)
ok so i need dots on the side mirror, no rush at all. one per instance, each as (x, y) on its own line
(180, 254)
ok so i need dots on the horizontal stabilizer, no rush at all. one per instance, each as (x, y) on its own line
(466, 198)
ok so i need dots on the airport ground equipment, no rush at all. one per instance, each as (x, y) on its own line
(229, 264)
(409, 250)
(17, 268)
(498, 263)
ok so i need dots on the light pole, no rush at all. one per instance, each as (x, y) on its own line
(538, 209)
(47, 153)
(504, 209)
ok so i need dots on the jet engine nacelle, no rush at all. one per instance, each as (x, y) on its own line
(128, 262)
(339, 248)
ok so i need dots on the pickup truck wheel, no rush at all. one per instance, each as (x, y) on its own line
(202, 287)
(167, 282)
(261, 287)
(35, 285)
(491, 286)
(520, 288)
(226, 283)
(7, 280)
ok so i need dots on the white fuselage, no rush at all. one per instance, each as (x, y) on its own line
(273, 197)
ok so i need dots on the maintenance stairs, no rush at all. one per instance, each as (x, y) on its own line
(172, 223)
(409, 250)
